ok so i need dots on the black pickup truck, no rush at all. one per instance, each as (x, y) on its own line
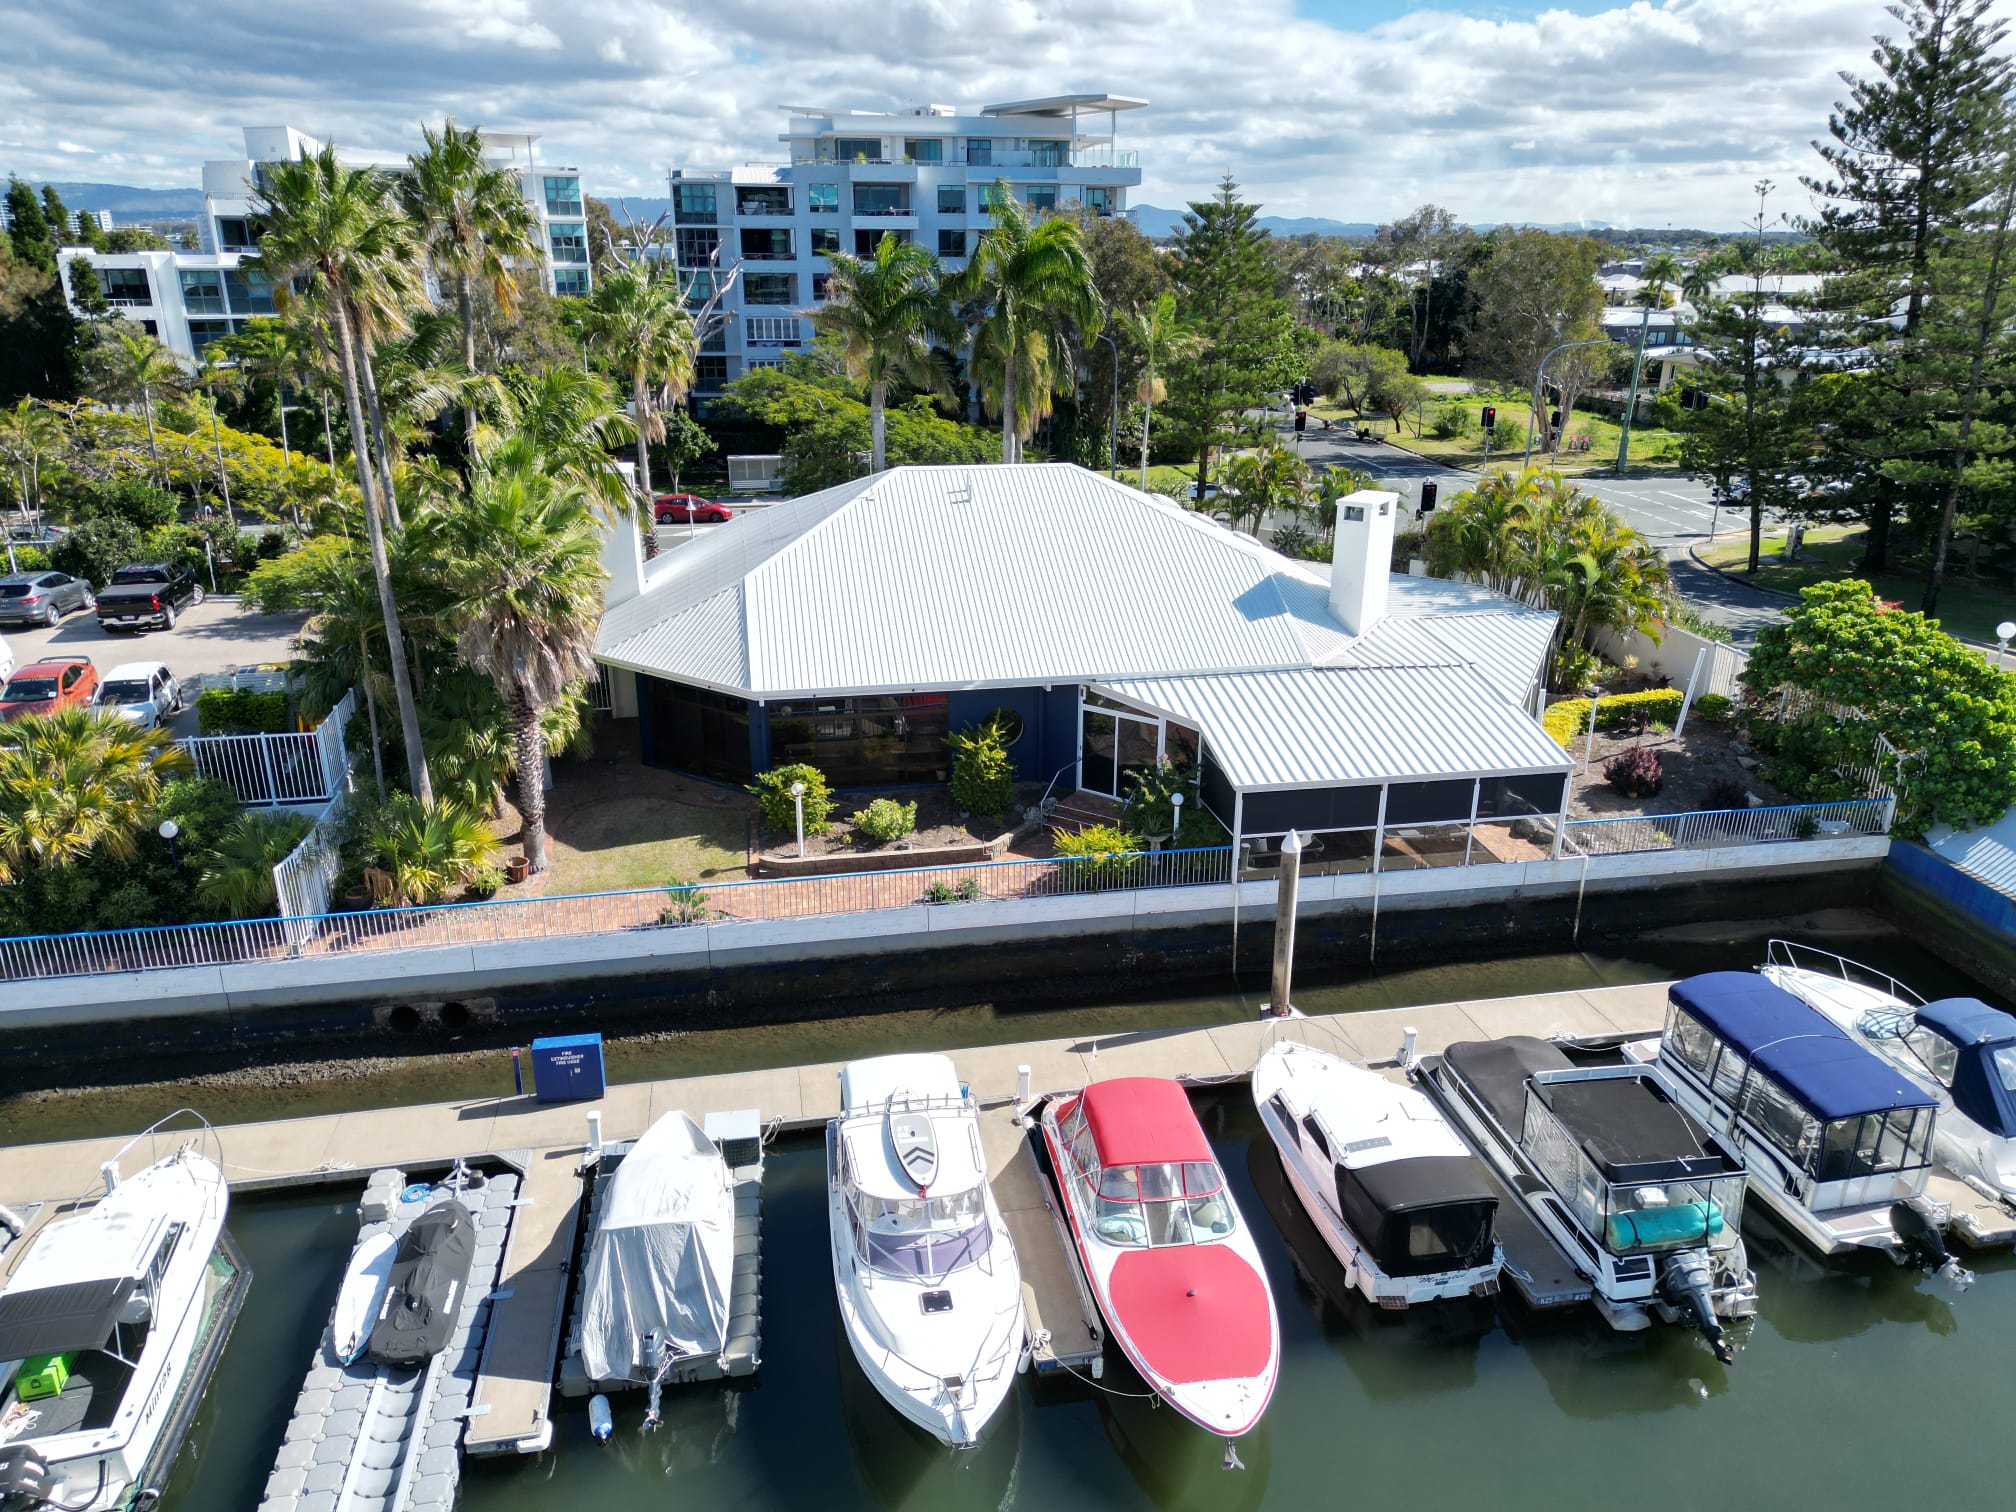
(147, 595)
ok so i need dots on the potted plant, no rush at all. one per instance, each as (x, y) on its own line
(484, 882)
(517, 868)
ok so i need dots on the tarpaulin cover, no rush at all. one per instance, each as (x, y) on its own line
(1981, 1090)
(430, 1276)
(662, 1255)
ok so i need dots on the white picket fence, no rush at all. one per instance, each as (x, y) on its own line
(303, 882)
(286, 769)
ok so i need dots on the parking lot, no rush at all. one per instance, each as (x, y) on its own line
(214, 637)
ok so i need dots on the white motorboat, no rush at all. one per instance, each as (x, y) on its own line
(1959, 1050)
(1639, 1196)
(1175, 1269)
(1396, 1194)
(111, 1324)
(1838, 1140)
(929, 1289)
(655, 1292)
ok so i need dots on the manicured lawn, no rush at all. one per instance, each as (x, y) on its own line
(1650, 447)
(1968, 607)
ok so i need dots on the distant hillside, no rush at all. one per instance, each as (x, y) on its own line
(1156, 223)
(123, 199)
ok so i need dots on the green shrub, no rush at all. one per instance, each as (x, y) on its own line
(983, 774)
(1570, 717)
(966, 891)
(885, 819)
(96, 549)
(424, 852)
(1713, 707)
(485, 881)
(131, 499)
(687, 905)
(1101, 856)
(1151, 808)
(240, 711)
(237, 870)
(30, 558)
(780, 809)
(1451, 421)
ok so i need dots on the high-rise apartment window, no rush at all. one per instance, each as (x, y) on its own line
(924, 150)
(710, 372)
(570, 280)
(693, 204)
(766, 245)
(821, 282)
(857, 149)
(202, 291)
(865, 242)
(697, 247)
(235, 233)
(772, 330)
(825, 239)
(881, 199)
(570, 241)
(1042, 197)
(699, 286)
(1099, 201)
(203, 332)
(951, 199)
(126, 286)
(766, 288)
(249, 291)
(563, 196)
(980, 150)
(951, 243)
(823, 199)
(1049, 154)
(985, 197)
(762, 200)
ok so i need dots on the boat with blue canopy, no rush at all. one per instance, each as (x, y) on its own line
(1837, 1139)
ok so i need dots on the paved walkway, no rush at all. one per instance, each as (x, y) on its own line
(287, 1151)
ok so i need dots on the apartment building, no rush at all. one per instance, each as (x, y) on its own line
(189, 299)
(927, 174)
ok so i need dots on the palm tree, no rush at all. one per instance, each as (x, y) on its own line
(1029, 280)
(1265, 481)
(336, 227)
(1162, 340)
(474, 222)
(237, 871)
(525, 563)
(886, 310)
(637, 319)
(76, 781)
(30, 434)
(272, 351)
(572, 419)
(133, 367)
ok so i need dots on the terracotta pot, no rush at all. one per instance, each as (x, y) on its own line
(518, 868)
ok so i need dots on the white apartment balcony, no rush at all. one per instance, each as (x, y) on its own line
(1082, 157)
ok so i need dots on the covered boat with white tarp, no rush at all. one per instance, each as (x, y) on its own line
(655, 1289)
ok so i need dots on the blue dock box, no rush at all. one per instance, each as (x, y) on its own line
(567, 1068)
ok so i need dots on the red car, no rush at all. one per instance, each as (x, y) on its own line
(690, 509)
(45, 686)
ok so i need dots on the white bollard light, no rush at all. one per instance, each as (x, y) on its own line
(594, 1131)
(1022, 1085)
(1408, 1036)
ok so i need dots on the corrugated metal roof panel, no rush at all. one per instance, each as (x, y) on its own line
(1334, 726)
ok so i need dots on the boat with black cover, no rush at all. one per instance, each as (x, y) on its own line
(1643, 1199)
(423, 1295)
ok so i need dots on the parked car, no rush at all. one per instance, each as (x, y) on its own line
(690, 509)
(144, 693)
(42, 598)
(43, 687)
(147, 595)
(6, 660)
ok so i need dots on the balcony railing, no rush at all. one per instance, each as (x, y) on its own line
(1083, 157)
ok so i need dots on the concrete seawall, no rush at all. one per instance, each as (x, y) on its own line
(1959, 915)
(721, 974)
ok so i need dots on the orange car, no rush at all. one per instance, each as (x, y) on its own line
(45, 686)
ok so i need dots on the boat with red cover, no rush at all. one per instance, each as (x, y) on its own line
(1175, 1269)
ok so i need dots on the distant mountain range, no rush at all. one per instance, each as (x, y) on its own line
(1157, 222)
(125, 200)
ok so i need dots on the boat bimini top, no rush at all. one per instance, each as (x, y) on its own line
(1978, 1060)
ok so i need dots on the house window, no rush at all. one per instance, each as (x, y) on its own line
(250, 293)
(773, 330)
(881, 199)
(570, 242)
(980, 151)
(235, 234)
(986, 197)
(865, 742)
(693, 204)
(202, 292)
(766, 246)
(762, 201)
(694, 730)
(766, 289)
(924, 150)
(1043, 197)
(857, 149)
(951, 243)
(823, 199)
(710, 372)
(697, 248)
(570, 280)
(563, 196)
(951, 199)
(865, 242)
(1099, 201)
(126, 286)
(825, 239)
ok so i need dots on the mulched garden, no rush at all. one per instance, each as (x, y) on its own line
(1711, 767)
(940, 826)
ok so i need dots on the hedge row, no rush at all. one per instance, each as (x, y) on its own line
(240, 711)
(1570, 717)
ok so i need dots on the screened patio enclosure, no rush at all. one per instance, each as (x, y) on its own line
(1378, 768)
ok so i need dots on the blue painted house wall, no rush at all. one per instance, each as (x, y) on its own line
(1049, 724)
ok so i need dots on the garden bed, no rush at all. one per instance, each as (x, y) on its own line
(1692, 767)
(943, 837)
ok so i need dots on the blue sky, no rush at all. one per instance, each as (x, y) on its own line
(1359, 110)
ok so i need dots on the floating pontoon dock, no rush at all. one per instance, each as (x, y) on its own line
(1063, 1319)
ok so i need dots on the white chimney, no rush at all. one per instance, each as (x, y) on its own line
(623, 560)
(1363, 558)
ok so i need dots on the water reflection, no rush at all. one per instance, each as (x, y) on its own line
(1177, 1465)
(1802, 1297)
(697, 1430)
(1595, 1373)
(906, 1468)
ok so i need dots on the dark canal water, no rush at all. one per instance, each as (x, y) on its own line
(1859, 1386)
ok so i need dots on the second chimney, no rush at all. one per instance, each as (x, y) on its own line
(1362, 558)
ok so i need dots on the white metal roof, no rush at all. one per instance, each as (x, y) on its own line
(1338, 726)
(1011, 576)
(1062, 105)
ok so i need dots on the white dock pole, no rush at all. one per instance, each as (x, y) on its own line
(1279, 1004)
(1022, 1086)
(594, 1133)
(1408, 1037)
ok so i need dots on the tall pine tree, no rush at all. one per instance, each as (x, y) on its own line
(28, 228)
(1225, 280)
(62, 224)
(1908, 157)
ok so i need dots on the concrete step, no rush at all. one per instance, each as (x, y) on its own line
(1081, 810)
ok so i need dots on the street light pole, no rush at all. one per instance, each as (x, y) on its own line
(2004, 633)
(798, 798)
(1113, 423)
(1631, 404)
(1540, 390)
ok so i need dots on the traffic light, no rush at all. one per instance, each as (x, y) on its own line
(1490, 417)
(1429, 489)
(1301, 421)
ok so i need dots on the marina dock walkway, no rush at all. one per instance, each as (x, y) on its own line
(346, 1146)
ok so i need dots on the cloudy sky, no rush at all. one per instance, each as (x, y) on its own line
(1647, 114)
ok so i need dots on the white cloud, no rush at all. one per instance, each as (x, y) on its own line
(1645, 114)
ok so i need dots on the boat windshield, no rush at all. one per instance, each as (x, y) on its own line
(1152, 1205)
(2005, 1066)
(923, 1236)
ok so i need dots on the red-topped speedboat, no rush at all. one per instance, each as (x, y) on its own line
(1175, 1270)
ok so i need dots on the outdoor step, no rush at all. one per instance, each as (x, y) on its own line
(1082, 810)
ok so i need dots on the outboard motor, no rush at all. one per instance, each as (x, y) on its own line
(1689, 1285)
(1920, 1243)
(26, 1481)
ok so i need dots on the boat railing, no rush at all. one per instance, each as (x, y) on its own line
(1797, 957)
(916, 1102)
(206, 1141)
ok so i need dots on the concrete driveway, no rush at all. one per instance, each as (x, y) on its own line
(213, 638)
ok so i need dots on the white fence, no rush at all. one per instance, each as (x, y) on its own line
(1717, 828)
(302, 882)
(271, 771)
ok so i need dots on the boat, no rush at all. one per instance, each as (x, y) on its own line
(1838, 1140)
(425, 1287)
(1170, 1261)
(1643, 1200)
(655, 1290)
(1958, 1049)
(359, 1297)
(1397, 1196)
(929, 1287)
(112, 1323)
